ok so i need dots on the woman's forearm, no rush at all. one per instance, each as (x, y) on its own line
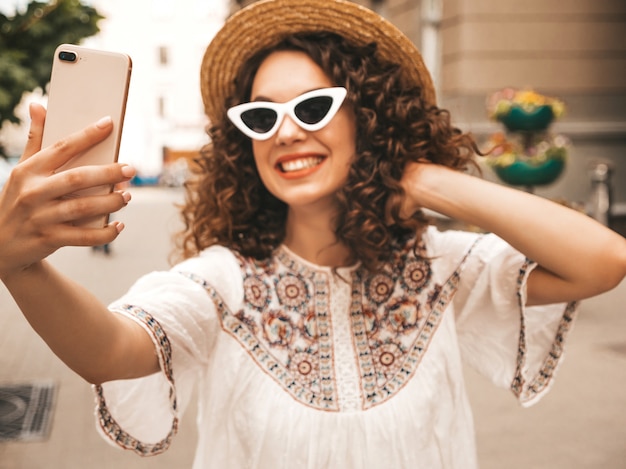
(585, 257)
(97, 344)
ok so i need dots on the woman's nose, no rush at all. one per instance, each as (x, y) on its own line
(289, 131)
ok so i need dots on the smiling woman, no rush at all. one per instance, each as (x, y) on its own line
(322, 318)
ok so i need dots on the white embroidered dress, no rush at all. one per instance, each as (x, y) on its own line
(300, 367)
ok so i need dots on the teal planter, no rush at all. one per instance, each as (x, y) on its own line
(522, 173)
(518, 118)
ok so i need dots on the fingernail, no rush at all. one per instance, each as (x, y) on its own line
(126, 196)
(128, 171)
(119, 226)
(104, 122)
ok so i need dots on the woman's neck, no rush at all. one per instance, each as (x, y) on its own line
(312, 237)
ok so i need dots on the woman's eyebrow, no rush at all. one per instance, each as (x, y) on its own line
(262, 98)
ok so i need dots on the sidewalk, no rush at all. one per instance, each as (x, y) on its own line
(580, 424)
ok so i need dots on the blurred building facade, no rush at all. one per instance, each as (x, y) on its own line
(574, 50)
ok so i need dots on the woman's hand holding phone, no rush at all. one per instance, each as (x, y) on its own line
(37, 210)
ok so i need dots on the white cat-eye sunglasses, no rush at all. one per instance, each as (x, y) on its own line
(311, 111)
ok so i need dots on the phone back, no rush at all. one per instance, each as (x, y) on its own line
(86, 85)
(83, 90)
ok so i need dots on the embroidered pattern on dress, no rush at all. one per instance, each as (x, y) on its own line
(528, 391)
(109, 425)
(391, 339)
(292, 347)
(286, 327)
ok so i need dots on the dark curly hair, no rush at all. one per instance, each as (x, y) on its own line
(227, 203)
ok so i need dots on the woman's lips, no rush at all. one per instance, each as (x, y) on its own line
(297, 166)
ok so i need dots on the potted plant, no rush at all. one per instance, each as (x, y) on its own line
(520, 161)
(524, 110)
(526, 154)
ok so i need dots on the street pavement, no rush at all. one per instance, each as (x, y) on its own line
(580, 424)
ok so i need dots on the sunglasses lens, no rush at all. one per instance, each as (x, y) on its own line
(260, 120)
(313, 110)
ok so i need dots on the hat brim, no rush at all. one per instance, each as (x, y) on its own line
(267, 22)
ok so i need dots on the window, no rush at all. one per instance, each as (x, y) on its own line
(161, 106)
(163, 55)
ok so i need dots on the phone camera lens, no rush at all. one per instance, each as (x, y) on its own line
(67, 56)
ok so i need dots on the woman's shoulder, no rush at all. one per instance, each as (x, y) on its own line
(216, 266)
(451, 245)
(209, 256)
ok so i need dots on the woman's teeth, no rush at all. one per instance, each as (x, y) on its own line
(300, 164)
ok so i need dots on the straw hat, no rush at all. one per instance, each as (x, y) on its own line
(267, 22)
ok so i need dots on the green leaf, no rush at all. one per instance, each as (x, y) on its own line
(28, 40)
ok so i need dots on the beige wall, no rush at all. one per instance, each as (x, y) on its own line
(575, 46)
(574, 49)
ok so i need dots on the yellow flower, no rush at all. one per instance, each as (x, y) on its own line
(504, 150)
(500, 103)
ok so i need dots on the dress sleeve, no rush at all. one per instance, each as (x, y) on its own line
(513, 345)
(143, 414)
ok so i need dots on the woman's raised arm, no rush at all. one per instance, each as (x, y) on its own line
(577, 256)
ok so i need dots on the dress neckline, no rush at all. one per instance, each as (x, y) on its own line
(316, 267)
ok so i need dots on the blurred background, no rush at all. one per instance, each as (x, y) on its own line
(488, 59)
(572, 51)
